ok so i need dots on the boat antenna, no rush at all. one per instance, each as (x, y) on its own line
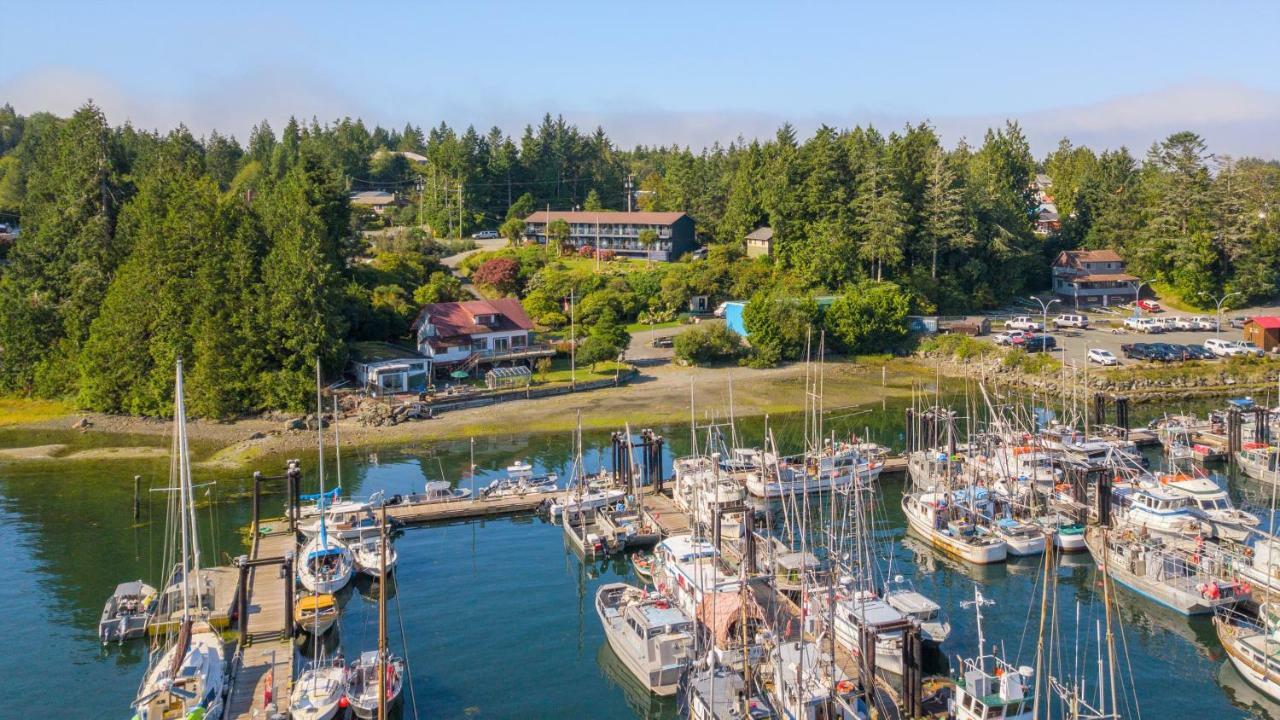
(977, 603)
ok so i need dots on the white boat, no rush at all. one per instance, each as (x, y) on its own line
(689, 569)
(718, 692)
(318, 692)
(1068, 535)
(1253, 646)
(586, 501)
(838, 466)
(936, 518)
(808, 685)
(650, 634)
(1003, 691)
(326, 565)
(344, 520)
(934, 628)
(1179, 579)
(127, 612)
(362, 683)
(187, 678)
(367, 553)
(857, 610)
(438, 491)
(1023, 538)
(1259, 461)
(1156, 510)
(1212, 504)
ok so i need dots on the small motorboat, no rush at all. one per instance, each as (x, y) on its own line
(315, 614)
(368, 554)
(643, 564)
(127, 612)
(362, 683)
(438, 491)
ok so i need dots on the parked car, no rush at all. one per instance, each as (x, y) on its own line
(1200, 352)
(486, 235)
(1220, 347)
(1174, 351)
(664, 341)
(1040, 343)
(1203, 322)
(1136, 351)
(1023, 322)
(1102, 357)
(1075, 321)
(1179, 323)
(1009, 337)
(1143, 324)
(1150, 306)
(1238, 322)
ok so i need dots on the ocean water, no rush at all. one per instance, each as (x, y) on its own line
(496, 615)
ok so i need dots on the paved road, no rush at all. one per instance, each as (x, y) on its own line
(642, 348)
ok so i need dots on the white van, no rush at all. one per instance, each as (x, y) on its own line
(1076, 321)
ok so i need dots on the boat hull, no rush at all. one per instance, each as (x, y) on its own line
(1256, 674)
(977, 554)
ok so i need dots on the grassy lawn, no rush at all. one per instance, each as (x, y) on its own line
(560, 372)
(17, 411)
(641, 327)
(623, 265)
(1171, 300)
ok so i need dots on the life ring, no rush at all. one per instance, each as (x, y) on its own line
(844, 687)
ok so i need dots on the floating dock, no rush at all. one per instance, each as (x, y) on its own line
(262, 671)
(423, 513)
(221, 582)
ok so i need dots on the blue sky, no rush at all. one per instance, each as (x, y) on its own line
(691, 72)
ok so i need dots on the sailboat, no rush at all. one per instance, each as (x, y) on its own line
(187, 679)
(327, 564)
(375, 680)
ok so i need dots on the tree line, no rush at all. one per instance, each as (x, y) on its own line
(138, 247)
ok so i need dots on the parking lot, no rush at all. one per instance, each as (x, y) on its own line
(1074, 344)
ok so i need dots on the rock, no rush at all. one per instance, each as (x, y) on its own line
(257, 436)
(296, 424)
(83, 423)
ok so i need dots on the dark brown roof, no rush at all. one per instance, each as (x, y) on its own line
(607, 216)
(1093, 255)
(456, 319)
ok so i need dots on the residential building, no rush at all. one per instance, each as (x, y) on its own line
(619, 232)
(386, 369)
(1047, 219)
(376, 200)
(760, 242)
(1263, 331)
(1092, 277)
(462, 335)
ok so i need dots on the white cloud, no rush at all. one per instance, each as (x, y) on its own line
(1234, 119)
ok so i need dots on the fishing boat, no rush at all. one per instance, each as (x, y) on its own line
(1253, 646)
(127, 612)
(642, 563)
(318, 692)
(940, 521)
(689, 568)
(1161, 573)
(808, 685)
(1212, 504)
(1068, 535)
(650, 634)
(718, 692)
(367, 553)
(835, 466)
(1259, 461)
(1003, 691)
(186, 678)
(1023, 538)
(315, 614)
(903, 597)
(1156, 510)
(854, 613)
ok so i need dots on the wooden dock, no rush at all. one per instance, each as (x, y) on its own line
(221, 582)
(422, 513)
(264, 666)
(662, 513)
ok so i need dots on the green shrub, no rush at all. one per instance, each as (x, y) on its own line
(706, 344)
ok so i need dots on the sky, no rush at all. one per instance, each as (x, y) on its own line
(1104, 74)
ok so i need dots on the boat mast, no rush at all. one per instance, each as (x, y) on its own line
(337, 446)
(180, 430)
(324, 538)
(382, 664)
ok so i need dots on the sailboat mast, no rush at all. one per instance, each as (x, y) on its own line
(381, 665)
(180, 430)
(324, 538)
(337, 445)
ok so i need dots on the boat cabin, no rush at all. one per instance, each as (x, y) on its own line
(1004, 692)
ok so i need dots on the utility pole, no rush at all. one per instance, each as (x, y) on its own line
(628, 192)
(459, 211)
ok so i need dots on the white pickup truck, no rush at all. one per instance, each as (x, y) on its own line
(1023, 322)
(1143, 324)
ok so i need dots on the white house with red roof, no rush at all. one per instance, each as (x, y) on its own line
(461, 335)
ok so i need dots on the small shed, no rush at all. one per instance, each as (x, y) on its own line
(760, 242)
(504, 378)
(386, 369)
(1263, 331)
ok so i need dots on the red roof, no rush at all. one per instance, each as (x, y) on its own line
(607, 216)
(1267, 322)
(455, 319)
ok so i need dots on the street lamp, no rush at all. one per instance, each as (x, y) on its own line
(1137, 296)
(1044, 313)
(1217, 331)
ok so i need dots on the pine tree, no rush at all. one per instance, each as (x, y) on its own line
(946, 222)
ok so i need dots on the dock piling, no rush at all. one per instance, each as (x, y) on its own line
(242, 597)
(137, 498)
